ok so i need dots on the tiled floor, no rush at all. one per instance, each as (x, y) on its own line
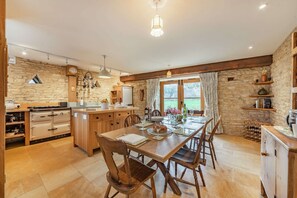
(57, 169)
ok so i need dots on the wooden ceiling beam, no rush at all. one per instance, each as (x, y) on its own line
(211, 67)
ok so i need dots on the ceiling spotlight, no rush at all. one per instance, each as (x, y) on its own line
(24, 53)
(262, 6)
(250, 47)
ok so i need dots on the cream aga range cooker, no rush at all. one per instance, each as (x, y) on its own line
(49, 121)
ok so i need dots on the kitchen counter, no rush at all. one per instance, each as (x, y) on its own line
(99, 110)
(87, 122)
(17, 110)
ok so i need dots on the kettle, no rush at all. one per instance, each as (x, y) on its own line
(9, 104)
(291, 118)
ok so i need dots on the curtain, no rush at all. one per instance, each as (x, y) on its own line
(153, 93)
(209, 84)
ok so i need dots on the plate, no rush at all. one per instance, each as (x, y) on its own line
(152, 132)
(157, 118)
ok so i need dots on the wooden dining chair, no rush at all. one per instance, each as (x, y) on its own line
(130, 175)
(198, 112)
(189, 160)
(132, 120)
(209, 140)
(156, 112)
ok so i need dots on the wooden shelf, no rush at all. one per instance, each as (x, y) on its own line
(261, 96)
(258, 109)
(15, 136)
(263, 83)
(15, 123)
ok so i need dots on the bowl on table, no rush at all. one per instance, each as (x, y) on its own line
(157, 118)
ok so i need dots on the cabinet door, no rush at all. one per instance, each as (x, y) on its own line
(41, 130)
(100, 126)
(282, 168)
(268, 163)
(119, 123)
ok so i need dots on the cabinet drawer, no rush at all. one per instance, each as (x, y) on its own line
(122, 114)
(102, 117)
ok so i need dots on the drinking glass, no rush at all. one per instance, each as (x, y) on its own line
(143, 121)
(191, 113)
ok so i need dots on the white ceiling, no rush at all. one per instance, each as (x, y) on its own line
(196, 31)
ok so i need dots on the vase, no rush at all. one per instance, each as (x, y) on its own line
(264, 77)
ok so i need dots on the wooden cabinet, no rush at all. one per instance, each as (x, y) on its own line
(86, 125)
(278, 164)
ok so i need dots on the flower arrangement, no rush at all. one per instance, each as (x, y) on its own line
(104, 101)
(173, 111)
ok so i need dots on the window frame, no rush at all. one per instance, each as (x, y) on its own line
(180, 89)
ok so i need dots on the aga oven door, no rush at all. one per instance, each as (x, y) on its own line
(62, 128)
(41, 116)
(61, 116)
(41, 130)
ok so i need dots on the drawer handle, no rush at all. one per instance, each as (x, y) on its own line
(97, 118)
(111, 124)
(118, 123)
(264, 154)
(109, 116)
(119, 114)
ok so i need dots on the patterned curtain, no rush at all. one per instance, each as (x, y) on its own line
(153, 93)
(209, 83)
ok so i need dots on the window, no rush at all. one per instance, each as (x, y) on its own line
(175, 93)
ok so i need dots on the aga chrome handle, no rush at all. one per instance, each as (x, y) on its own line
(264, 154)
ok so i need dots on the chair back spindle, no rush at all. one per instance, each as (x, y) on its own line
(132, 120)
(199, 147)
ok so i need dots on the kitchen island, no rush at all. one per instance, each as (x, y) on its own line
(87, 122)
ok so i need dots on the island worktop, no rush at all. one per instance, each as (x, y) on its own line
(99, 110)
(87, 122)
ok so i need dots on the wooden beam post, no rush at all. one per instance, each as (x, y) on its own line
(211, 67)
(3, 69)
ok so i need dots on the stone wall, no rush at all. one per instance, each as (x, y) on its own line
(55, 83)
(233, 95)
(54, 87)
(98, 93)
(137, 86)
(281, 71)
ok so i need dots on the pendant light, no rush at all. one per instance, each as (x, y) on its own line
(104, 73)
(157, 23)
(168, 75)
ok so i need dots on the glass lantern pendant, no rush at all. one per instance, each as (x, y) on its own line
(157, 26)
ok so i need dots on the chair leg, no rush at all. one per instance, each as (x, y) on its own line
(211, 154)
(175, 171)
(213, 149)
(153, 187)
(196, 183)
(201, 175)
(107, 191)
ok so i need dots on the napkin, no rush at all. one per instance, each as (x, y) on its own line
(132, 139)
(145, 124)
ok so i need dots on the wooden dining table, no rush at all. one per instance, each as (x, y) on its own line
(161, 150)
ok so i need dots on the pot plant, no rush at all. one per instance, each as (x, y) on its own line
(104, 104)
